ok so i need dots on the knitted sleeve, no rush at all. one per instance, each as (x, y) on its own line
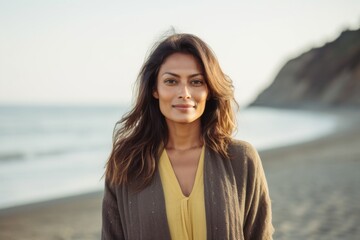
(111, 222)
(257, 221)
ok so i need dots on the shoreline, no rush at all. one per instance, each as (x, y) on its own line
(48, 203)
(313, 186)
(45, 201)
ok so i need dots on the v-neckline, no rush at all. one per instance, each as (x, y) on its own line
(175, 179)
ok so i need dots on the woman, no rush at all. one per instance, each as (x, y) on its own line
(174, 171)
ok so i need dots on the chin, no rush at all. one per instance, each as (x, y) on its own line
(182, 120)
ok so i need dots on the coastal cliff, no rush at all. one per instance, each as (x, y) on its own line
(324, 76)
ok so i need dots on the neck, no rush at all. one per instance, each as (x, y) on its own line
(184, 136)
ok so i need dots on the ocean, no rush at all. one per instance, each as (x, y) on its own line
(49, 152)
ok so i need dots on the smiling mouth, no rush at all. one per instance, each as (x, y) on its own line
(183, 106)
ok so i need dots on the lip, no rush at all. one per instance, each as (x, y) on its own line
(183, 106)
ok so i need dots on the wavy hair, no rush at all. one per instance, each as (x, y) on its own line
(141, 133)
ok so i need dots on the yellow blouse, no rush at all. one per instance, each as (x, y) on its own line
(185, 215)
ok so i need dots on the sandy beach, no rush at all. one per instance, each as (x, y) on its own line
(314, 186)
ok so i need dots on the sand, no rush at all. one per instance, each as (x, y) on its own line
(77, 217)
(314, 187)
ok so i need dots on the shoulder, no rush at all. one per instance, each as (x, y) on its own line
(239, 147)
(244, 153)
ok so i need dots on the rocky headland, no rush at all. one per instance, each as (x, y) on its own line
(324, 76)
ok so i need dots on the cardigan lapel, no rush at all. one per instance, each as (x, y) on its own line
(221, 198)
(151, 218)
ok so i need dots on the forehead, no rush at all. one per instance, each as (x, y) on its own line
(180, 62)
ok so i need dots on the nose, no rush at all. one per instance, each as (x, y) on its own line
(184, 92)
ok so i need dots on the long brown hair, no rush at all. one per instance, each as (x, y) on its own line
(143, 130)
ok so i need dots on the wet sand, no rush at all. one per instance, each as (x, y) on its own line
(314, 186)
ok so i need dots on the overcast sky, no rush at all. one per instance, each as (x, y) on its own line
(90, 52)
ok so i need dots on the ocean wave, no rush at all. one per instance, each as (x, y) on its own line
(14, 156)
(21, 156)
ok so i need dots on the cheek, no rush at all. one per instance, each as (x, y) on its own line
(165, 100)
(203, 96)
(166, 94)
(201, 101)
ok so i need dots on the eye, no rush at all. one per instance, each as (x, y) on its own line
(170, 81)
(197, 82)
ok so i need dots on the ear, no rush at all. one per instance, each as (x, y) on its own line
(155, 94)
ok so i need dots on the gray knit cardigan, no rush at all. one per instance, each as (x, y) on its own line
(237, 202)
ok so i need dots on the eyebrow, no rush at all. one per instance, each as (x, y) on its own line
(176, 75)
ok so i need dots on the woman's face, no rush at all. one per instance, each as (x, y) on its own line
(181, 89)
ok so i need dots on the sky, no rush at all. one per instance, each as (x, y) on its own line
(90, 52)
